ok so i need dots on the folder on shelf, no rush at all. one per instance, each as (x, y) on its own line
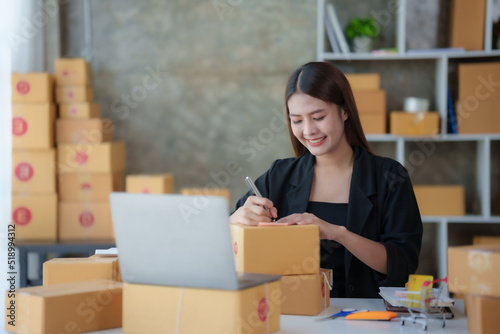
(332, 14)
(331, 34)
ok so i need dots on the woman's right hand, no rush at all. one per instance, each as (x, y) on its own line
(254, 211)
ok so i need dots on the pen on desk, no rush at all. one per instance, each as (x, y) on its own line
(256, 192)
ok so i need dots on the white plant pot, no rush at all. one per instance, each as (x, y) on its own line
(362, 44)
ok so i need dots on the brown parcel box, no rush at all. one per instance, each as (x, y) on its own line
(467, 24)
(370, 101)
(223, 192)
(72, 71)
(485, 240)
(32, 87)
(440, 200)
(65, 308)
(35, 216)
(167, 309)
(480, 117)
(95, 158)
(79, 110)
(150, 184)
(280, 250)
(305, 294)
(474, 269)
(414, 124)
(85, 221)
(67, 94)
(65, 270)
(89, 186)
(33, 125)
(92, 130)
(33, 172)
(478, 81)
(373, 124)
(364, 81)
(482, 314)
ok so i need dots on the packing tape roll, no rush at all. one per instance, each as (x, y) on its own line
(415, 104)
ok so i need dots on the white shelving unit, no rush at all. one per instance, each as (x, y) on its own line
(483, 141)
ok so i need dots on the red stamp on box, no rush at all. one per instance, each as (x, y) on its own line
(323, 290)
(262, 309)
(86, 218)
(73, 111)
(23, 87)
(86, 186)
(19, 126)
(81, 157)
(65, 73)
(21, 216)
(70, 94)
(145, 191)
(235, 248)
(24, 171)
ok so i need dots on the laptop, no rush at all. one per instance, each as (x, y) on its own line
(177, 240)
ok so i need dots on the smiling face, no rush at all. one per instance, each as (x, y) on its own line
(317, 124)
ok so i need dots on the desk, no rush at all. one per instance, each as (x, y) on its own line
(304, 325)
(58, 249)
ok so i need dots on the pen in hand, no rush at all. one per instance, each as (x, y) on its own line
(256, 192)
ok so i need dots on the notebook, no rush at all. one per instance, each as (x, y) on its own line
(177, 240)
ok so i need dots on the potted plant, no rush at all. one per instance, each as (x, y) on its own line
(361, 32)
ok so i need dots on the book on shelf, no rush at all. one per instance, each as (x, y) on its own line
(337, 28)
(452, 121)
(331, 34)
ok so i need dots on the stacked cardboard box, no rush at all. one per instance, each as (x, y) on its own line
(440, 200)
(422, 123)
(150, 184)
(473, 271)
(370, 100)
(291, 251)
(34, 197)
(90, 164)
(223, 192)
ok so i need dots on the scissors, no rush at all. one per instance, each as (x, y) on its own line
(342, 313)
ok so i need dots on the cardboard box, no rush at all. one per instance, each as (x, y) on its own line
(166, 309)
(440, 200)
(414, 124)
(477, 81)
(92, 130)
(94, 158)
(150, 184)
(85, 221)
(72, 71)
(33, 172)
(306, 294)
(280, 250)
(485, 240)
(67, 94)
(89, 186)
(79, 110)
(482, 314)
(65, 308)
(65, 270)
(370, 101)
(223, 192)
(474, 269)
(373, 124)
(364, 81)
(467, 24)
(32, 87)
(35, 217)
(480, 117)
(33, 125)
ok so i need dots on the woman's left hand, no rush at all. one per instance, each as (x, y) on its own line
(326, 230)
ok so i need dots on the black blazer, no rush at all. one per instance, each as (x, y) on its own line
(382, 207)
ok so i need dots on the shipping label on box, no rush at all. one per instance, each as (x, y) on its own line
(478, 116)
(370, 101)
(306, 294)
(35, 216)
(65, 270)
(150, 184)
(93, 130)
(281, 250)
(67, 94)
(414, 124)
(167, 309)
(373, 124)
(33, 125)
(79, 110)
(72, 71)
(482, 314)
(33, 172)
(85, 221)
(474, 269)
(364, 81)
(440, 200)
(65, 308)
(32, 87)
(94, 158)
(222, 192)
(89, 186)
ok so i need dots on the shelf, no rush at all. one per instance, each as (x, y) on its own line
(440, 138)
(409, 56)
(461, 219)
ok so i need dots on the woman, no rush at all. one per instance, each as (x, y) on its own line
(364, 205)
